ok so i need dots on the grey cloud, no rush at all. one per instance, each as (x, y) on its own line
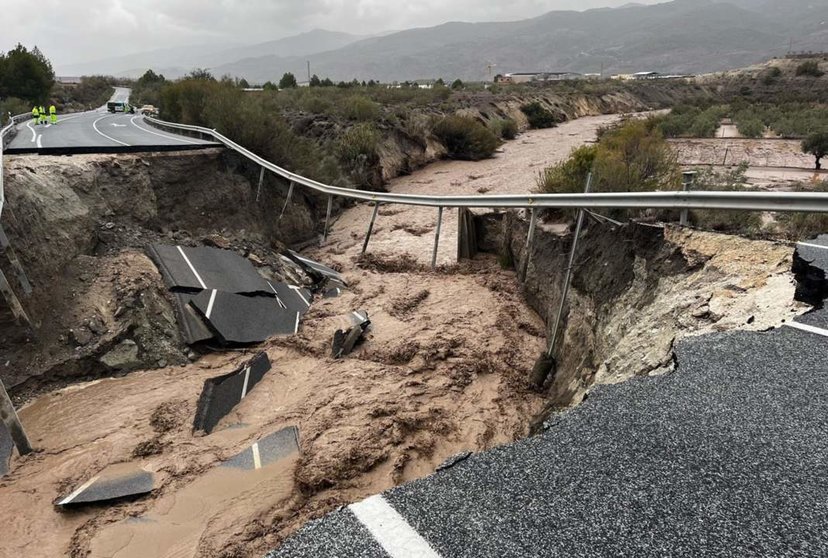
(70, 32)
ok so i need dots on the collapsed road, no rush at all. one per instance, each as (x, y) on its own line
(442, 371)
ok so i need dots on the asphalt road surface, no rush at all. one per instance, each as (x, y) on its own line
(727, 456)
(98, 131)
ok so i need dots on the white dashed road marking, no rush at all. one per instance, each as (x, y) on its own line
(192, 268)
(808, 328)
(391, 530)
(77, 492)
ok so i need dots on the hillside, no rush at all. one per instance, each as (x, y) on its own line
(685, 36)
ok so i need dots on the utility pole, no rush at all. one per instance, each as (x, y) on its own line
(309, 77)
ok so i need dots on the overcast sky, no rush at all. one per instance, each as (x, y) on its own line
(84, 30)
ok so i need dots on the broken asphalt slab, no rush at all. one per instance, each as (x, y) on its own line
(318, 272)
(206, 268)
(275, 447)
(726, 457)
(220, 395)
(243, 320)
(810, 265)
(291, 297)
(116, 482)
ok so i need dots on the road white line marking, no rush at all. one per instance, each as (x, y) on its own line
(391, 530)
(210, 305)
(279, 300)
(192, 268)
(39, 144)
(160, 134)
(299, 292)
(257, 458)
(48, 125)
(296, 327)
(95, 127)
(77, 492)
(808, 328)
(812, 245)
(246, 381)
(360, 318)
(34, 134)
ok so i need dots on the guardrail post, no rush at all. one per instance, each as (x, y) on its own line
(687, 181)
(287, 200)
(327, 219)
(370, 227)
(437, 237)
(9, 417)
(261, 181)
(530, 237)
(569, 270)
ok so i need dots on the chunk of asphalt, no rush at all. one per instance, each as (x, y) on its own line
(6, 447)
(270, 449)
(192, 326)
(206, 268)
(220, 395)
(239, 319)
(116, 482)
(810, 266)
(345, 340)
(291, 297)
(318, 272)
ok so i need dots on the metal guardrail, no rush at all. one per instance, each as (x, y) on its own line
(6, 134)
(750, 201)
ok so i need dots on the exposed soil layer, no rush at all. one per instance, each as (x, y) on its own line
(639, 288)
(80, 225)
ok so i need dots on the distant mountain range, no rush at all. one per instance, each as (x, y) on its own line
(682, 36)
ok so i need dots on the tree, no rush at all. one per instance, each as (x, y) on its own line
(26, 75)
(269, 86)
(457, 84)
(201, 74)
(327, 82)
(439, 83)
(816, 145)
(243, 84)
(315, 81)
(288, 81)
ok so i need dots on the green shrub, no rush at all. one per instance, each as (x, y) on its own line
(358, 151)
(361, 109)
(538, 116)
(751, 127)
(771, 75)
(809, 68)
(568, 176)
(504, 128)
(465, 138)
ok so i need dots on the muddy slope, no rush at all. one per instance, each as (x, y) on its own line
(80, 225)
(637, 289)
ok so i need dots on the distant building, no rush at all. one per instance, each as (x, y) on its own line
(646, 75)
(64, 80)
(527, 77)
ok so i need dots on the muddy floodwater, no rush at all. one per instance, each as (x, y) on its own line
(443, 371)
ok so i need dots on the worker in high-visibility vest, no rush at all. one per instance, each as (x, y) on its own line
(53, 114)
(36, 115)
(42, 112)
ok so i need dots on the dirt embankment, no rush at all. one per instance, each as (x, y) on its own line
(80, 225)
(639, 288)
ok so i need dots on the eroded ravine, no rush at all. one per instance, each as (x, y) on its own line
(444, 370)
